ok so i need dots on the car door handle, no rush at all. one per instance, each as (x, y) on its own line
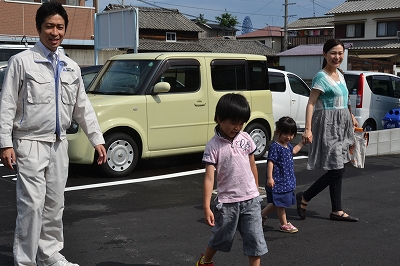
(199, 103)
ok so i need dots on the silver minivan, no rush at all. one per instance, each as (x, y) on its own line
(372, 95)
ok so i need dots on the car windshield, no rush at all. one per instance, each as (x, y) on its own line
(124, 77)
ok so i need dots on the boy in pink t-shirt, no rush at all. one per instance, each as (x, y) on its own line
(231, 153)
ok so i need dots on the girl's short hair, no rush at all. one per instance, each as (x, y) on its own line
(286, 125)
(234, 107)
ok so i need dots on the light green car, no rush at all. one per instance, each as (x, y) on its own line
(161, 104)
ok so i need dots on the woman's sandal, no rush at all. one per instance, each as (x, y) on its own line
(301, 211)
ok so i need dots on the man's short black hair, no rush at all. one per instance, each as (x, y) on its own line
(50, 9)
(234, 107)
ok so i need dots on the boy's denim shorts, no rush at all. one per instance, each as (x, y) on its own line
(244, 216)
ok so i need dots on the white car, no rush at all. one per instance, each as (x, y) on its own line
(372, 95)
(289, 96)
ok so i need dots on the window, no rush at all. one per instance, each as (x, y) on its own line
(239, 75)
(171, 37)
(381, 85)
(258, 77)
(387, 28)
(355, 30)
(124, 77)
(277, 82)
(228, 75)
(182, 78)
(298, 86)
(396, 87)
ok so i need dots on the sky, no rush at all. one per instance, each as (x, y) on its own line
(262, 13)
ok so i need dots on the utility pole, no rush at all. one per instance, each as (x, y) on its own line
(285, 36)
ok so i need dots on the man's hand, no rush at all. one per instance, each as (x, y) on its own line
(102, 154)
(8, 157)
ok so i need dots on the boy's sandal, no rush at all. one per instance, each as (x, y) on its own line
(264, 220)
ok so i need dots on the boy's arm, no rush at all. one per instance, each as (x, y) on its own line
(298, 147)
(207, 192)
(253, 167)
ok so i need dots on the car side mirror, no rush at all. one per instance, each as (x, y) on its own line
(161, 87)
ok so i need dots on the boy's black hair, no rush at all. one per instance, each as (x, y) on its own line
(286, 125)
(234, 107)
(50, 9)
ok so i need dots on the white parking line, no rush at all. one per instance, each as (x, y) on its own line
(140, 180)
(151, 178)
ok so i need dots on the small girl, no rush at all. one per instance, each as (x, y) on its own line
(281, 181)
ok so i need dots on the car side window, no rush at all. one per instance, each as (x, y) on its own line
(381, 85)
(352, 83)
(396, 87)
(258, 75)
(228, 75)
(182, 78)
(298, 86)
(277, 82)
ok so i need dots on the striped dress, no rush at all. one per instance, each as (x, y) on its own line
(332, 125)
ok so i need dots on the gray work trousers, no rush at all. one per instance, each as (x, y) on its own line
(42, 169)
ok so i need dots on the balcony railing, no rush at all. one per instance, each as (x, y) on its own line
(300, 40)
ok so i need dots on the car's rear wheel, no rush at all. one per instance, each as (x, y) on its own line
(122, 155)
(369, 125)
(260, 137)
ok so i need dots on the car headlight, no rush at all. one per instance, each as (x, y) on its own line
(73, 128)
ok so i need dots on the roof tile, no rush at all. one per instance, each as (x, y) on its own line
(354, 6)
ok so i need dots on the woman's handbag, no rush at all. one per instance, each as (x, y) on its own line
(359, 149)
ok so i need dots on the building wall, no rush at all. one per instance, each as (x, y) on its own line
(18, 19)
(86, 57)
(304, 66)
(370, 23)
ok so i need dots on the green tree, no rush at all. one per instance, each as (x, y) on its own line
(227, 20)
(201, 19)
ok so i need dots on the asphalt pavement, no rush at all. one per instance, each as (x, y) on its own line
(161, 222)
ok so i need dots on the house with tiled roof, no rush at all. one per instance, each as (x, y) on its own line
(271, 36)
(372, 27)
(162, 24)
(312, 30)
(155, 25)
(211, 30)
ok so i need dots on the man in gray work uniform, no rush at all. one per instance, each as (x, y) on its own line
(42, 92)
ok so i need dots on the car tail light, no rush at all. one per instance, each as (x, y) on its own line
(360, 91)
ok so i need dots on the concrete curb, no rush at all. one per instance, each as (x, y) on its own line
(381, 142)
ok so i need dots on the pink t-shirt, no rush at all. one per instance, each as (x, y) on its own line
(235, 180)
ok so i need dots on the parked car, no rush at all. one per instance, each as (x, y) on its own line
(88, 73)
(372, 95)
(289, 96)
(161, 104)
(8, 50)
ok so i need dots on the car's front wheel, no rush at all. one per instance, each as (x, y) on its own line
(260, 137)
(122, 155)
